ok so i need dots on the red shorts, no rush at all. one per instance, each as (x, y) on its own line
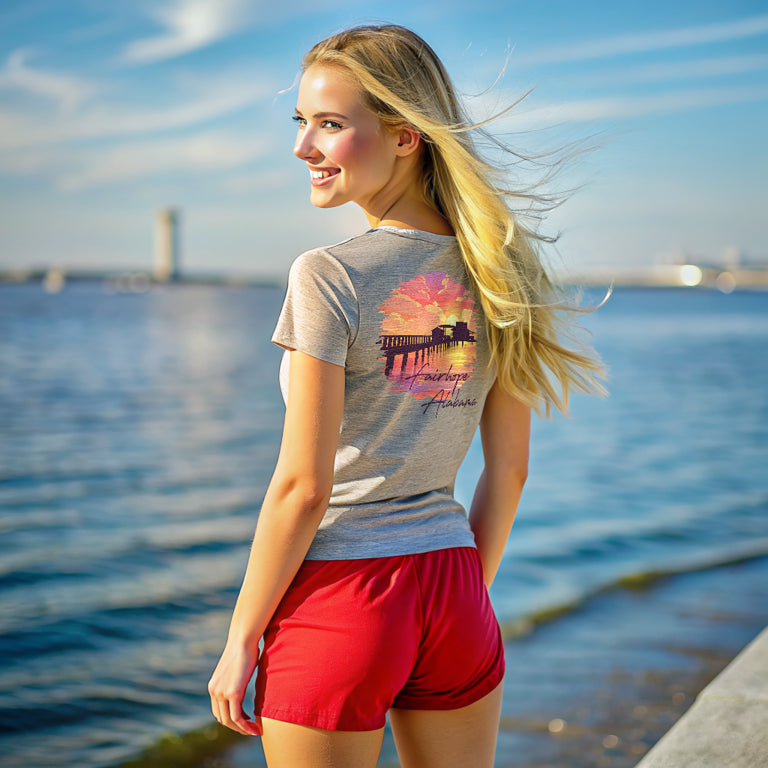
(353, 638)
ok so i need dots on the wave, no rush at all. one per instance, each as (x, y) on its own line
(189, 750)
(643, 580)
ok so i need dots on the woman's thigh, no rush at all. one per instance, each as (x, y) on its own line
(452, 738)
(287, 745)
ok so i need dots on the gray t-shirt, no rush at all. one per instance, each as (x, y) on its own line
(396, 309)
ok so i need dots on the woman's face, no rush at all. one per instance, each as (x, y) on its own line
(349, 154)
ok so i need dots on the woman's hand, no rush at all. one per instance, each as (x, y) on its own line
(227, 689)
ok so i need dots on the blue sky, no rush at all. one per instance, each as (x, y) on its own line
(109, 111)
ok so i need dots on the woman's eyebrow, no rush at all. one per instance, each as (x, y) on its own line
(321, 115)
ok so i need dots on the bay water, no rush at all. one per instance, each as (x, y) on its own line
(138, 432)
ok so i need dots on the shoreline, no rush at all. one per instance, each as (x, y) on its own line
(686, 277)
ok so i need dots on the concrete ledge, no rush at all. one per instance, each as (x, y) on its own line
(727, 725)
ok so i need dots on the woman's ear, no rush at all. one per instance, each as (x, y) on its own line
(408, 141)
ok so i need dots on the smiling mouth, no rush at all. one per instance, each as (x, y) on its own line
(324, 174)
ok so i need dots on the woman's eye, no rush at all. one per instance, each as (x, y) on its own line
(302, 122)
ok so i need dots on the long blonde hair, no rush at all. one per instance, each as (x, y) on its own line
(404, 82)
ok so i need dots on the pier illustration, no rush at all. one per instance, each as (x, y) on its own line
(423, 346)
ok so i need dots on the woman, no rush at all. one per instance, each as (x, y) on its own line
(366, 579)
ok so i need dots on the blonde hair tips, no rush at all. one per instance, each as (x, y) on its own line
(536, 356)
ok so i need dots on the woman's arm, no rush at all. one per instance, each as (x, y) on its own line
(293, 507)
(505, 429)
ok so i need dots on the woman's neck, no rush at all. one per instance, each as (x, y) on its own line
(407, 213)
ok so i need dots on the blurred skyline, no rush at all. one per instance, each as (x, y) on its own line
(109, 112)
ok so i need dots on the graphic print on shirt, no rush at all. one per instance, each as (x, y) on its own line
(428, 341)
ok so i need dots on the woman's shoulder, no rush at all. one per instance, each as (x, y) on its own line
(337, 252)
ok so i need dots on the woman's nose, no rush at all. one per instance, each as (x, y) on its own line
(305, 148)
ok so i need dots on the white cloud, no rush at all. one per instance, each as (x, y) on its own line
(205, 152)
(109, 121)
(722, 66)
(188, 25)
(21, 131)
(644, 42)
(67, 91)
(617, 108)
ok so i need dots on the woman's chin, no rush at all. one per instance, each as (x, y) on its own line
(325, 202)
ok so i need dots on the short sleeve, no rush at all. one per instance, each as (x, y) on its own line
(320, 312)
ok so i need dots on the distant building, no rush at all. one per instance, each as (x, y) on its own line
(166, 245)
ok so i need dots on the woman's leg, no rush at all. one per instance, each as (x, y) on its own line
(289, 746)
(452, 738)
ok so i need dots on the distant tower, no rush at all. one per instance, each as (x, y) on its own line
(167, 245)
